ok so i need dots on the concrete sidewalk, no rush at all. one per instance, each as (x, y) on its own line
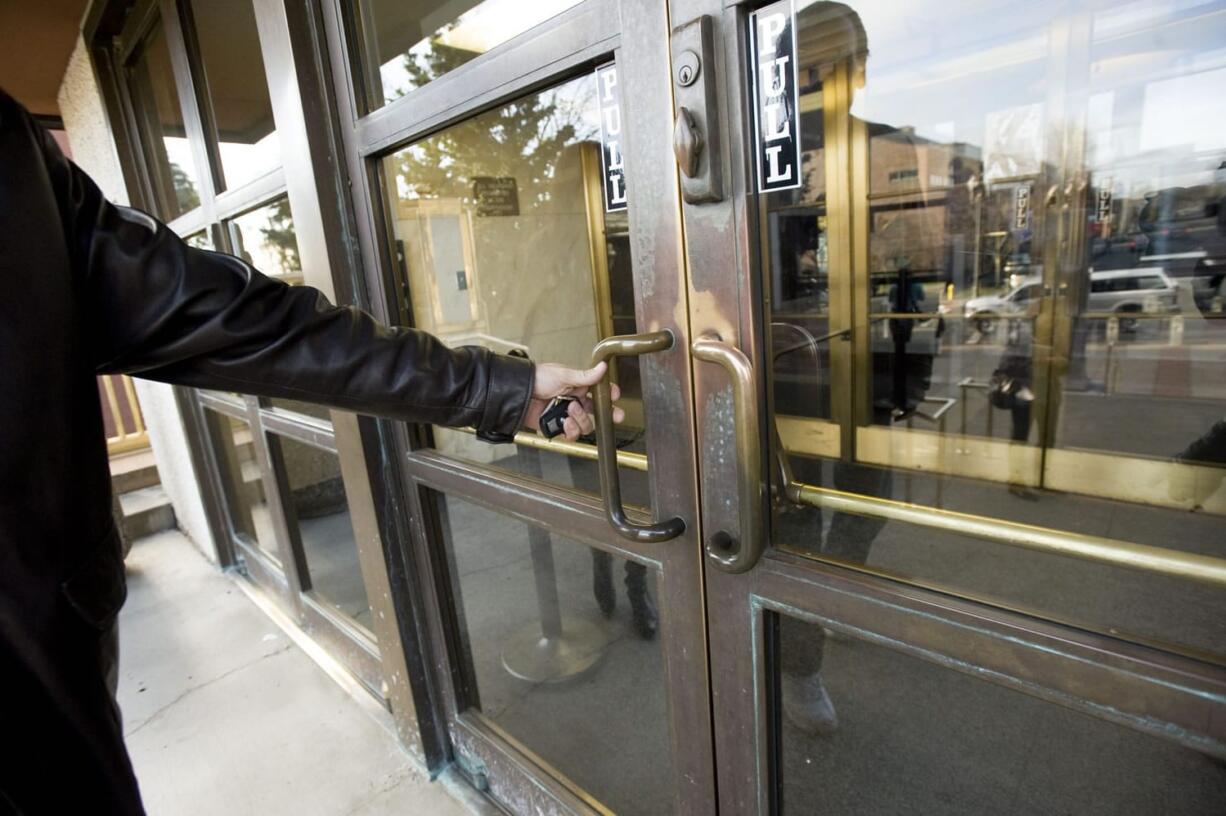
(223, 713)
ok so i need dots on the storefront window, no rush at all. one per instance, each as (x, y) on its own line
(414, 45)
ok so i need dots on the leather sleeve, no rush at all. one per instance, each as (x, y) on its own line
(162, 310)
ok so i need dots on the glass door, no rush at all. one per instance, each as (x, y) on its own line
(519, 195)
(959, 407)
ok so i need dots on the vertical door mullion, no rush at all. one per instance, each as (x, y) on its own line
(276, 494)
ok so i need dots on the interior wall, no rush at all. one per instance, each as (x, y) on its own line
(93, 150)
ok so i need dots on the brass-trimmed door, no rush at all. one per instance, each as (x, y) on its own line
(962, 390)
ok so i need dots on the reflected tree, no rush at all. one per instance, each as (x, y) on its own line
(532, 133)
(279, 234)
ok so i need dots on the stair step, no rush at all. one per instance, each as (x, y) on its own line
(146, 511)
(133, 471)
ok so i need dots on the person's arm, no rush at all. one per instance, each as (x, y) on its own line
(160, 309)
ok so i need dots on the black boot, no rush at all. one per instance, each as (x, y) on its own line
(643, 609)
(602, 582)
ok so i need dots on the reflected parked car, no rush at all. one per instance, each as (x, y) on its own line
(1122, 291)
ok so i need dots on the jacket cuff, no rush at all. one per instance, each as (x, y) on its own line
(507, 395)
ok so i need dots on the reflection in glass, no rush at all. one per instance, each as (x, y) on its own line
(237, 89)
(199, 240)
(155, 100)
(979, 304)
(265, 238)
(319, 510)
(416, 44)
(500, 230)
(241, 482)
(866, 729)
(516, 587)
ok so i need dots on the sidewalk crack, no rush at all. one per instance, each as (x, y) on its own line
(193, 689)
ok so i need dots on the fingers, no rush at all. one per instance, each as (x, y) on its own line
(583, 418)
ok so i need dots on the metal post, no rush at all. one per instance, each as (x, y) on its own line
(550, 650)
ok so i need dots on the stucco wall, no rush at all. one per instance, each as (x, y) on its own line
(93, 149)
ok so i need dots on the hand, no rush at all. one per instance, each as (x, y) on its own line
(553, 380)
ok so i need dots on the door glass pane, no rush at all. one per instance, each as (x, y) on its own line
(866, 729)
(319, 510)
(236, 89)
(265, 238)
(542, 269)
(241, 482)
(559, 649)
(981, 305)
(155, 101)
(417, 42)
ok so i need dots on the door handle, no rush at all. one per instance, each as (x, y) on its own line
(739, 554)
(626, 345)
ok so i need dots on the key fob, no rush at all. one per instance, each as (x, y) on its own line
(554, 415)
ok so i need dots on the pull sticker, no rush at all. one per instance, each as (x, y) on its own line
(776, 96)
(612, 143)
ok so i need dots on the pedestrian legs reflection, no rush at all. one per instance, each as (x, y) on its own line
(643, 612)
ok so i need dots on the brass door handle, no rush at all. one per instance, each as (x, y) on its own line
(626, 345)
(739, 554)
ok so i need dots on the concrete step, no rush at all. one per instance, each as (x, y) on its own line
(146, 510)
(133, 471)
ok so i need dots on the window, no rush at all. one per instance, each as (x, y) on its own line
(171, 170)
(416, 42)
(236, 89)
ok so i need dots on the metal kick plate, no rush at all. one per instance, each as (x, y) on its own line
(695, 91)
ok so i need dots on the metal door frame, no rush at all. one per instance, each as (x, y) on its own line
(634, 32)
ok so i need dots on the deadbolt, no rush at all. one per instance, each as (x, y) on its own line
(688, 66)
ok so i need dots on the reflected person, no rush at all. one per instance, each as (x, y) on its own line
(91, 288)
(902, 366)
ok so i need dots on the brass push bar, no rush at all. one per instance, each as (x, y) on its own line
(739, 554)
(579, 450)
(626, 345)
(1203, 568)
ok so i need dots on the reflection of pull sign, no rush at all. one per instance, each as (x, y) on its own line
(1104, 204)
(776, 96)
(1021, 208)
(612, 159)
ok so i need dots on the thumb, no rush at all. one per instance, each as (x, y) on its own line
(587, 377)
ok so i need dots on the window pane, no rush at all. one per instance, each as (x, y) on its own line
(241, 482)
(155, 99)
(265, 238)
(866, 729)
(319, 507)
(540, 267)
(416, 42)
(536, 609)
(199, 240)
(237, 89)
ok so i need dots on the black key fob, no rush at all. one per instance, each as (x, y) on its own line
(554, 415)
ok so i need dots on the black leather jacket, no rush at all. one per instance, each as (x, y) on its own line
(88, 288)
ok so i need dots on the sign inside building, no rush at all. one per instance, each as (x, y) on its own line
(776, 96)
(496, 195)
(1021, 208)
(612, 156)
